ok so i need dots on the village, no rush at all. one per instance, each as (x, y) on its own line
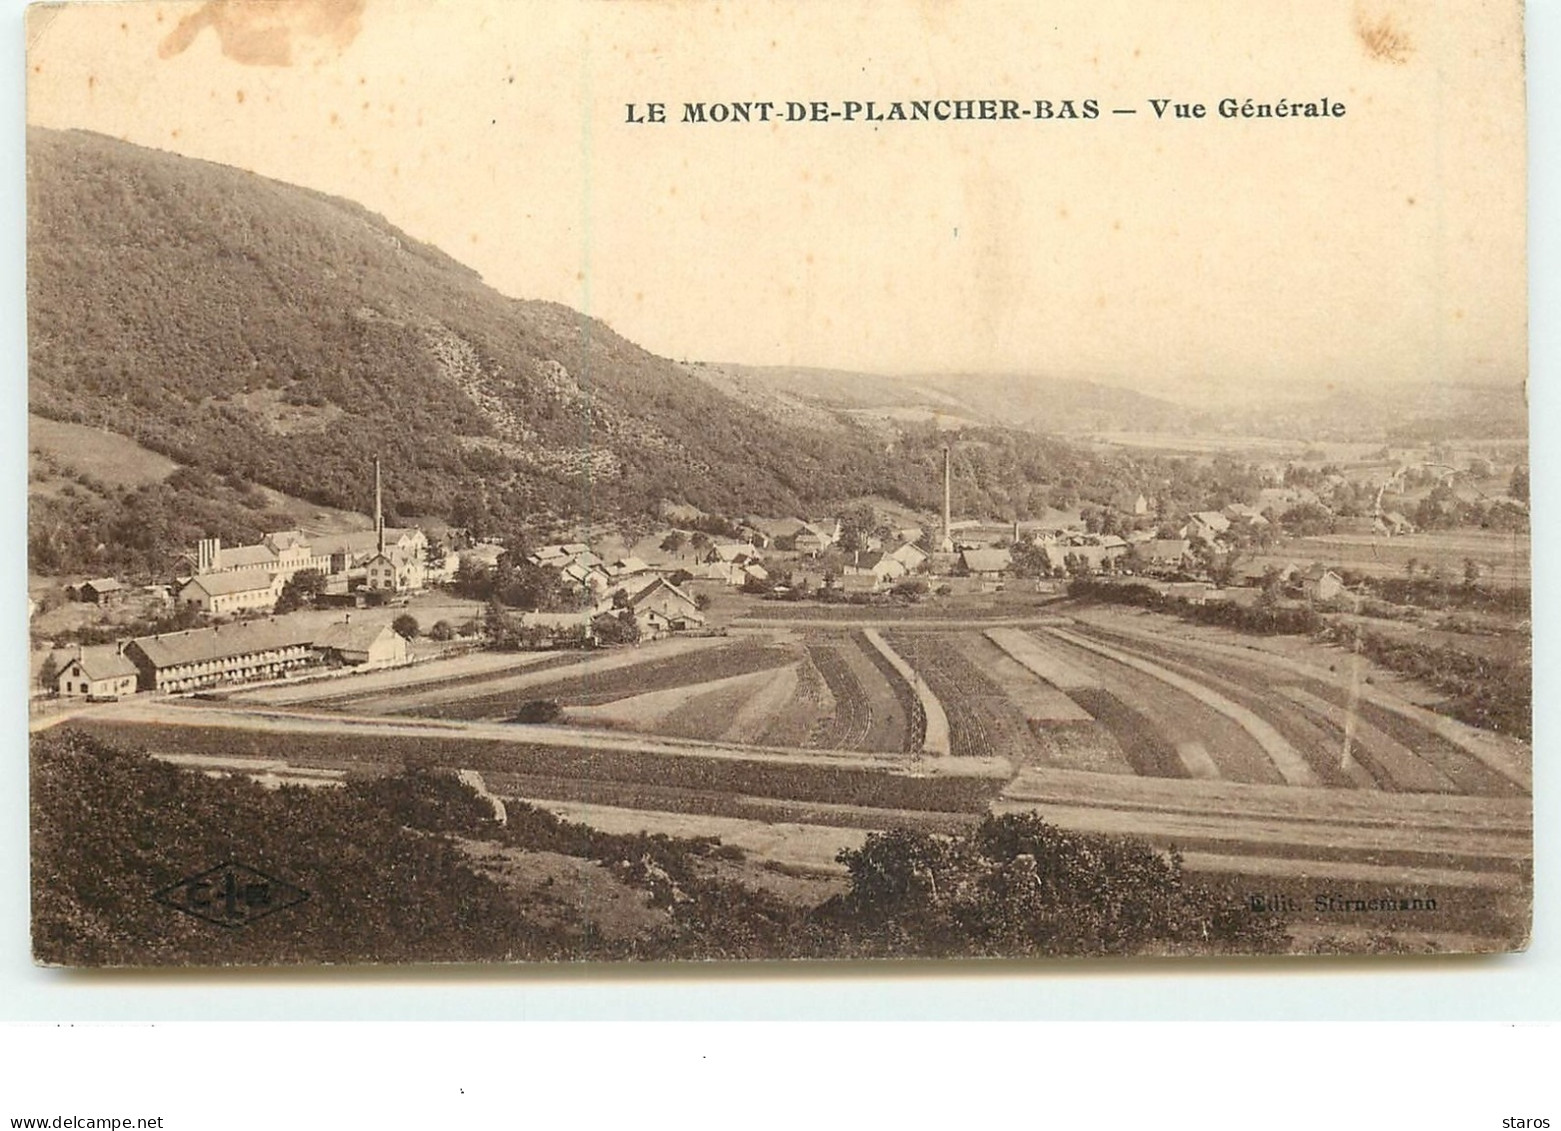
(300, 605)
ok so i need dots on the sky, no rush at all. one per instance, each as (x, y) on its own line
(1384, 246)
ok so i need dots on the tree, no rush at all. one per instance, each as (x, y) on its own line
(498, 626)
(473, 579)
(616, 629)
(700, 542)
(1223, 567)
(1026, 559)
(674, 541)
(300, 590)
(441, 631)
(701, 601)
(49, 674)
(406, 625)
(856, 522)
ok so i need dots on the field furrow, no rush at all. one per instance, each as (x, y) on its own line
(846, 727)
(983, 719)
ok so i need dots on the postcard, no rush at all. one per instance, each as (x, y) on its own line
(534, 482)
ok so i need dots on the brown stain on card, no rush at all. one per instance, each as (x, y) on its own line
(1383, 34)
(268, 33)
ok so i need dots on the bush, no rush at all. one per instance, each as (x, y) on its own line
(406, 625)
(441, 631)
(1017, 885)
(538, 711)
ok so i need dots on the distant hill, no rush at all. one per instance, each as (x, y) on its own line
(1064, 406)
(1011, 400)
(270, 335)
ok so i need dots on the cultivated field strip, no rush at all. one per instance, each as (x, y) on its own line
(1506, 757)
(1393, 749)
(617, 676)
(811, 707)
(1395, 762)
(368, 687)
(1037, 701)
(1043, 660)
(1377, 844)
(687, 711)
(1294, 831)
(907, 712)
(1321, 744)
(562, 756)
(1143, 743)
(847, 726)
(1452, 812)
(542, 671)
(982, 719)
(766, 698)
(1318, 742)
(880, 715)
(929, 723)
(1286, 759)
(636, 796)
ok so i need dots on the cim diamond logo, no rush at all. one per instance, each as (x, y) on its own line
(231, 895)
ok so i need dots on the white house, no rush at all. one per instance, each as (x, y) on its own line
(362, 645)
(100, 672)
(232, 592)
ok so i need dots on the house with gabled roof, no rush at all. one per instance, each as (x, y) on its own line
(1205, 526)
(99, 672)
(986, 563)
(882, 568)
(1319, 583)
(662, 607)
(232, 592)
(102, 591)
(362, 645)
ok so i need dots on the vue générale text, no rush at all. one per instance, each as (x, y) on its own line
(976, 110)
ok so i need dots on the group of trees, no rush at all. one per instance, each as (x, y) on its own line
(519, 584)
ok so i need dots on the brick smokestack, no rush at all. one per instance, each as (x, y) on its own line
(948, 521)
(379, 514)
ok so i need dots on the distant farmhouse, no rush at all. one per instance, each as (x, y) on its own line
(99, 591)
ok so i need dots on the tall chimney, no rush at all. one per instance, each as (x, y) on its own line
(948, 524)
(379, 515)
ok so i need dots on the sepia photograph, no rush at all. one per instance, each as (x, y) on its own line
(521, 482)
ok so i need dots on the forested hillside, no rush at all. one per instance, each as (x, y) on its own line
(272, 335)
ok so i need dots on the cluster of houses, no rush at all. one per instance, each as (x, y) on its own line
(586, 571)
(222, 579)
(629, 584)
(221, 655)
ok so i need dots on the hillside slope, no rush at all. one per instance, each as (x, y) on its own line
(255, 328)
(257, 333)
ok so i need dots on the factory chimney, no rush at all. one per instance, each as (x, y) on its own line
(379, 514)
(948, 524)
